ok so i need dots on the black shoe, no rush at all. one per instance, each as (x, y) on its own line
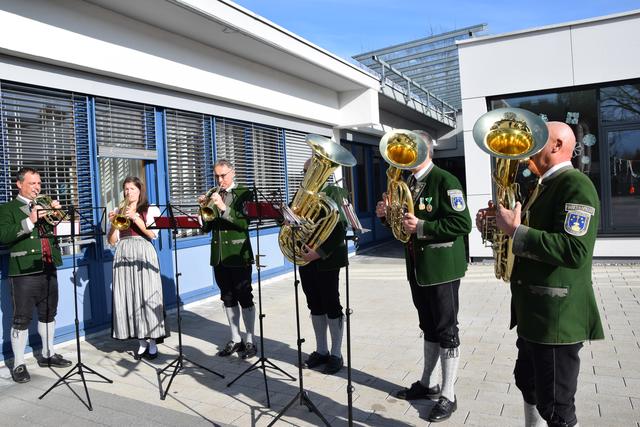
(55, 361)
(230, 348)
(139, 356)
(316, 359)
(418, 391)
(20, 374)
(442, 409)
(250, 350)
(334, 364)
(150, 356)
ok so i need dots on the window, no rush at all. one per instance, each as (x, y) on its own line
(606, 123)
(190, 161)
(256, 152)
(297, 153)
(38, 130)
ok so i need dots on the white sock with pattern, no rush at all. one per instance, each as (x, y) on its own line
(18, 343)
(431, 361)
(233, 316)
(47, 332)
(335, 330)
(319, 322)
(249, 319)
(450, 358)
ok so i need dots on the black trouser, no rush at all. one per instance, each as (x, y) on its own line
(547, 376)
(235, 285)
(39, 290)
(437, 307)
(322, 290)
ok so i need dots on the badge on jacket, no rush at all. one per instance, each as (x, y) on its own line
(457, 200)
(577, 220)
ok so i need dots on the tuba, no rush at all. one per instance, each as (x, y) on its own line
(208, 210)
(317, 212)
(510, 136)
(52, 216)
(402, 149)
(120, 221)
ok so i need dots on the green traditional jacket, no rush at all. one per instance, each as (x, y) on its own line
(230, 244)
(333, 251)
(443, 220)
(25, 255)
(552, 295)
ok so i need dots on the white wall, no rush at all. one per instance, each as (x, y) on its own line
(585, 52)
(86, 37)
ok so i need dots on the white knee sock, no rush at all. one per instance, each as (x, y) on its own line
(143, 346)
(431, 360)
(47, 332)
(450, 358)
(532, 417)
(249, 319)
(319, 322)
(335, 330)
(233, 316)
(18, 343)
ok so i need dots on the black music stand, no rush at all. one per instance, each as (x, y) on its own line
(259, 211)
(302, 394)
(85, 215)
(356, 228)
(169, 221)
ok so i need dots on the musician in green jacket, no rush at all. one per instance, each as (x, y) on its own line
(436, 261)
(320, 283)
(32, 271)
(232, 256)
(553, 303)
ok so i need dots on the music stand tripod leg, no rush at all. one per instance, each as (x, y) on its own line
(302, 394)
(262, 361)
(178, 362)
(77, 368)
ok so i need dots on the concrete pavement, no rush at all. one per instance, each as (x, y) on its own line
(387, 355)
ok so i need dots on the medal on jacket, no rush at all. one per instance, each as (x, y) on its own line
(429, 207)
(421, 205)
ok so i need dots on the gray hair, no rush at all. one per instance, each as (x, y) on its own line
(24, 171)
(224, 162)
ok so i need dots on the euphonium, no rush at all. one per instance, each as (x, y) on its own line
(510, 136)
(121, 221)
(52, 216)
(402, 149)
(318, 213)
(208, 210)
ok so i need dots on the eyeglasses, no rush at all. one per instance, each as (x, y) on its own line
(223, 176)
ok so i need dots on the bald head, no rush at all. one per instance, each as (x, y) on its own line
(559, 148)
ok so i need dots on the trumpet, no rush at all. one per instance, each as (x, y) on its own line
(120, 221)
(208, 210)
(52, 216)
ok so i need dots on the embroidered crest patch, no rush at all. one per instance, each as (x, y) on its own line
(577, 220)
(457, 200)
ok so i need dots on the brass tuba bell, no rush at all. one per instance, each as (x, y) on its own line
(510, 136)
(402, 149)
(317, 212)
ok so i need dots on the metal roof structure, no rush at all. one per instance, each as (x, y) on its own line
(427, 68)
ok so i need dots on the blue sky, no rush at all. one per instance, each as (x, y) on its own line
(349, 27)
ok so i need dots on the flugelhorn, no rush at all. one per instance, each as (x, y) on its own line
(510, 136)
(52, 216)
(121, 221)
(208, 210)
(402, 149)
